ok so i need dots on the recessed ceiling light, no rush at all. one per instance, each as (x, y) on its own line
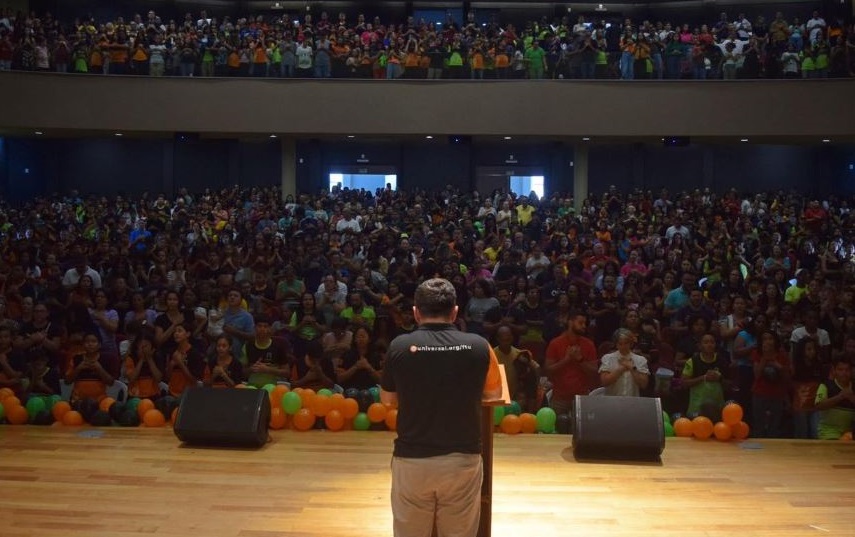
(39, 133)
(428, 137)
(826, 140)
(118, 134)
(351, 136)
(508, 138)
(586, 139)
(273, 136)
(744, 140)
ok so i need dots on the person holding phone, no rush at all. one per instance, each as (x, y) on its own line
(521, 369)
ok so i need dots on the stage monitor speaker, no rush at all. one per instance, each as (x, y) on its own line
(224, 417)
(614, 427)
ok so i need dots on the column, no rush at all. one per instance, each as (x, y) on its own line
(288, 173)
(580, 175)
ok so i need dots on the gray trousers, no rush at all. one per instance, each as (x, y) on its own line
(446, 488)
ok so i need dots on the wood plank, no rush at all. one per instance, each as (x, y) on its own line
(322, 484)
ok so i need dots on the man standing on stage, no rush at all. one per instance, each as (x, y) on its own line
(439, 377)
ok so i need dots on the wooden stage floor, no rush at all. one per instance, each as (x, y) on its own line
(119, 482)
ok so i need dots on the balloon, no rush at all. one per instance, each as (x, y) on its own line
(361, 422)
(326, 392)
(10, 402)
(365, 400)
(731, 414)
(528, 423)
(683, 427)
(665, 417)
(291, 403)
(846, 437)
(351, 393)
(392, 419)
(513, 408)
(349, 408)
(5, 392)
(337, 402)
(702, 427)
(106, 403)
(304, 419)
(375, 393)
(376, 413)
(269, 388)
(101, 419)
(563, 424)
(54, 399)
(546, 420)
(669, 429)
(130, 418)
(17, 415)
(498, 414)
(45, 418)
(511, 424)
(675, 416)
(2, 412)
(59, 410)
(35, 405)
(740, 430)
(144, 406)
(72, 418)
(133, 403)
(116, 411)
(278, 418)
(334, 420)
(153, 418)
(250, 387)
(722, 431)
(276, 395)
(306, 395)
(321, 404)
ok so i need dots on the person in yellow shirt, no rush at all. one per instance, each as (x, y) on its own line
(524, 211)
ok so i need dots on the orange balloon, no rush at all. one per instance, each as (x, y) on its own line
(106, 403)
(731, 414)
(306, 396)
(304, 419)
(10, 402)
(276, 395)
(349, 408)
(321, 405)
(72, 418)
(334, 420)
(740, 430)
(17, 415)
(511, 424)
(336, 402)
(702, 427)
(683, 427)
(154, 418)
(376, 413)
(278, 418)
(60, 409)
(392, 419)
(722, 431)
(144, 406)
(5, 392)
(528, 423)
(174, 416)
(847, 436)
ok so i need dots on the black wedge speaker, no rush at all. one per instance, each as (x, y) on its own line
(223, 417)
(619, 428)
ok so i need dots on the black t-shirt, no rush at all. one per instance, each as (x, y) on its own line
(361, 379)
(52, 330)
(438, 374)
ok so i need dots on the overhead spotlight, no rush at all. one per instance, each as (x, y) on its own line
(586, 139)
(119, 134)
(351, 136)
(826, 141)
(39, 133)
(428, 137)
(273, 136)
(743, 140)
(508, 138)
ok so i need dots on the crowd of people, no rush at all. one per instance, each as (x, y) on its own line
(340, 46)
(696, 298)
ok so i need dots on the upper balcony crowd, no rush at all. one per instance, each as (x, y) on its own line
(801, 46)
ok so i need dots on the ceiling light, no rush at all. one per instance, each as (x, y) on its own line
(118, 134)
(39, 133)
(273, 136)
(744, 140)
(351, 136)
(826, 141)
(586, 139)
(508, 138)
(428, 137)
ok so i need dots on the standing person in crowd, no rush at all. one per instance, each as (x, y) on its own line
(623, 372)
(571, 363)
(434, 372)
(835, 402)
(772, 373)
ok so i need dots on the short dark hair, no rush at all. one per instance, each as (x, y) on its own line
(435, 298)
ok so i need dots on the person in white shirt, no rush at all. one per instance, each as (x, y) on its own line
(790, 62)
(348, 223)
(815, 27)
(72, 275)
(623, 372)
(677, 227)
(305, 59)
(743, 27)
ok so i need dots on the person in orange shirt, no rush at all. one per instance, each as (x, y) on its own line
(141, 368)
(139, 60)
(476, 62)
(571, 363)
(89, 376)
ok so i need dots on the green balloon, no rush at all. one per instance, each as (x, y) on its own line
(326, 392)
(2, 412)
(669, 430)
(35, 405)
(375, 393)
(250, 387)
(132, 404)
(269, 387)
(291, 403)
(666, 419)
(498, 414)
(361, 422)
(546, 420)
(54, 399)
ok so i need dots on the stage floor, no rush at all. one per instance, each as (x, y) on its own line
(120, 482)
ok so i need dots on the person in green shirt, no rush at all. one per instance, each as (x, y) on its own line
(358, 313)
(535, 59)
(703, 374)
(835, 402)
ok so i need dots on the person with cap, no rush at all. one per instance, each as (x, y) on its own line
(439, 377)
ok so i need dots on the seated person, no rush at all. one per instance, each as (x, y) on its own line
(357, 312)
(835, 402)
(43, 378)
(360, 366)
(224, 370)
(623, 372)
(338, 340)
(10, 368)
(320, 370)
(703, 374)
(86, 372)
(268, 359)
(142, 370)
(185, 367)
(521, 370)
